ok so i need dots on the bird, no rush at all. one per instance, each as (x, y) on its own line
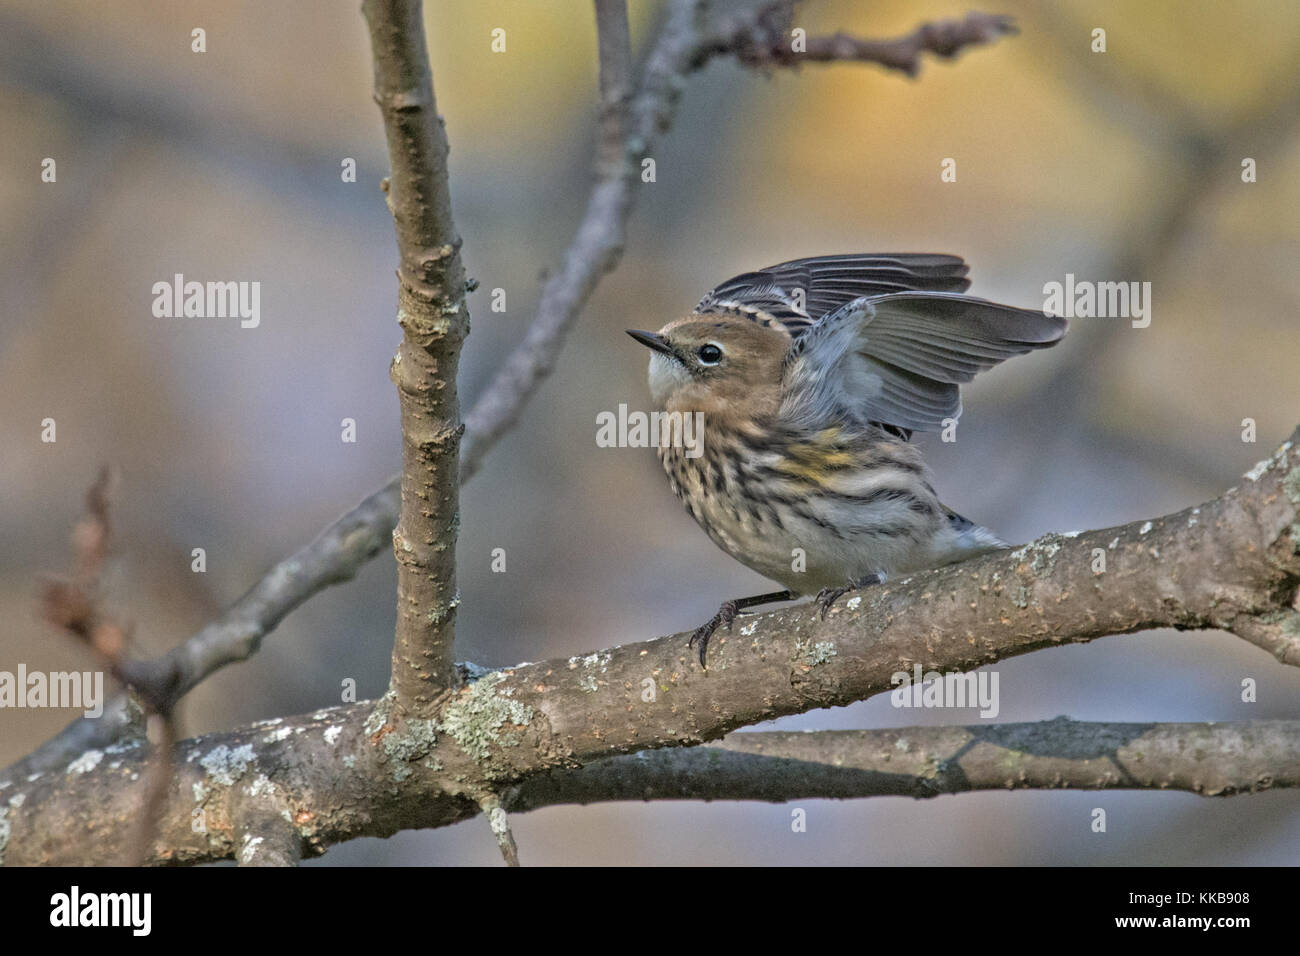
(810, 378)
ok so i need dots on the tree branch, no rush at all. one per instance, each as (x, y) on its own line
(255, 793)
(434, 320)
(761, 37)
(1219, 759)
(1232, 563)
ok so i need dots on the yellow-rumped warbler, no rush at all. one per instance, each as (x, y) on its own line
(811, 376)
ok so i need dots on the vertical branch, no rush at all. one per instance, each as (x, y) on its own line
(434, 321)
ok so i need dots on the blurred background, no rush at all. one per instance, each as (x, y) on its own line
(1122, 166)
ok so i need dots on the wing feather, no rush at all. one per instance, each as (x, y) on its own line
(899, 358)
(801, 291)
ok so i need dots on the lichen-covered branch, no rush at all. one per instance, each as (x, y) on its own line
(266, 794)
(1232, 563)
(434, 321)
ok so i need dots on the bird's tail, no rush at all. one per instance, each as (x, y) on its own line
(969, 538)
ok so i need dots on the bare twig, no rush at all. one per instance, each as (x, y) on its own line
(761, 37)
(595, 249)
(75, 604)
(434, 320)
(158, 779)
(497, 819)
(334, 556)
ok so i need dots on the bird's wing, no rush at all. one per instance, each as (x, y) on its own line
(898, 359)
(798, 293)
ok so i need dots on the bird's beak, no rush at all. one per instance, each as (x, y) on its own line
(651, 340)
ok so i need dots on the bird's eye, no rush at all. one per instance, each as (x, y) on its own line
(709, 354)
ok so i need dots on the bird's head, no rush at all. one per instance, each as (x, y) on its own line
(711, 363)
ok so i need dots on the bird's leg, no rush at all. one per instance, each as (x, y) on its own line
(828, 596)
(727, 613)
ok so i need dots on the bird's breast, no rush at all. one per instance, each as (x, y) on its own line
(807, 508)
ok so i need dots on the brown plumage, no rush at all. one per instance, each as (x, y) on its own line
(811, 377)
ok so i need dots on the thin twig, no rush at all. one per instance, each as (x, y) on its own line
(762, 37)
(75, 604)
(497, 819)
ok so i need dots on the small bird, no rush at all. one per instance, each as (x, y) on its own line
(811, 377)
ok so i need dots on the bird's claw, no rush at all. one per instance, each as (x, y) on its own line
(828, 596)
(726, 614)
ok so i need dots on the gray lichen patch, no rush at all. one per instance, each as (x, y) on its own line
(591, 665)
(1287, 621)
(476, 718)
(225, 765)
(261, 786)
(4, 832)
(413, 741)
(251, 843)
(813, 653)
(1291, 625)
(1040, 554)
(86, 762)
(1291, 488)
(1279, 459)
(380, 716)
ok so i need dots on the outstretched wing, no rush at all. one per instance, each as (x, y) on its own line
(800, 292)
(898, 359)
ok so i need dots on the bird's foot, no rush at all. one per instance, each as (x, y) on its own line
(726, 614)
(828, 596)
